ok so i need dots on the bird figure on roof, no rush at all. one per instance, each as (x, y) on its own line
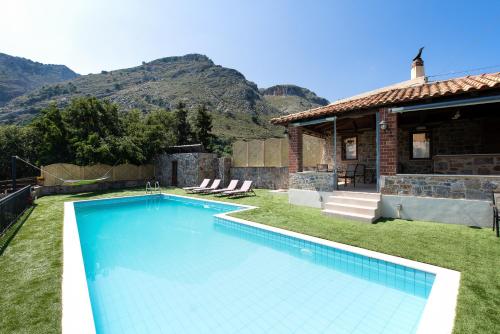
(418, 56)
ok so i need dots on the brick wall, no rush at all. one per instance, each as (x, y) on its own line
(389, 143)
(295, 160)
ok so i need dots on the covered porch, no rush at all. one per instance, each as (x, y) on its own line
(348, 150)
(447, 150)
(421, 159)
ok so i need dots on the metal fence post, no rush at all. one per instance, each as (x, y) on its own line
(13, 166)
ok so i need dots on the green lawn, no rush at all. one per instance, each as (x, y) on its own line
(31, 265)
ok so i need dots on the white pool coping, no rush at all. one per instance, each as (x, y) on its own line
(438, 316)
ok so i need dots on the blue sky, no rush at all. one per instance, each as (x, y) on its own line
(335, 48)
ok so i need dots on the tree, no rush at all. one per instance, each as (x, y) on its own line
(161, 132)
(183, 128)
(51, 142)
(132, 146)
(15, 140)
(93, 131)
(203, 127)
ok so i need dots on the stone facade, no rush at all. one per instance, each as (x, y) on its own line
(263, 177)
(468, 164)
(192, 168)
(318, 181)
(441, 186)
(367, 150)
(455, 137)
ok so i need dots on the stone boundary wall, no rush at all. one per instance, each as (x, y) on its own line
(318, 181)
(473, 187)
(263, 177)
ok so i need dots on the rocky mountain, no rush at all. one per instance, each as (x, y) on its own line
(239, 108)
(19, 76)
(290, 98)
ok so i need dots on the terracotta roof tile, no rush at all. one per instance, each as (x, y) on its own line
(400, 95)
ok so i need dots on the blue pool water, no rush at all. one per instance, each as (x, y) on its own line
(163, 264)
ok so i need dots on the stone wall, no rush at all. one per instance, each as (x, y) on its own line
(455, 137)
(318, 181)
(472, 187)
(468, 164)
(224, 170)
(367, 150)
(192, 168)
(407, 165)
(263, 177)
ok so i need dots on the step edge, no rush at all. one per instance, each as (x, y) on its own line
(353, 206)
(349, 214)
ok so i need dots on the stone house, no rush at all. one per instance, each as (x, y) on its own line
(430, 150)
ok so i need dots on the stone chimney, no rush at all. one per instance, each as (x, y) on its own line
(417, 68)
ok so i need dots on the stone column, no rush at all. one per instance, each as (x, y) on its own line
(295, 159)
(388, 143)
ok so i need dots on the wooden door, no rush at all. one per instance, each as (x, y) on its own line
(174, 173)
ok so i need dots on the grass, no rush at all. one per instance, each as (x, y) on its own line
(31, 265)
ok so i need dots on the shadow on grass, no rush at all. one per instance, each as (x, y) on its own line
(87, 194)
(476, 227)
(14, 228)
(382, 220)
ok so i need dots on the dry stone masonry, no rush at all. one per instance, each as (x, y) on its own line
(441, 186)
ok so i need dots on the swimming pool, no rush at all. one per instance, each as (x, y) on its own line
(173, 264)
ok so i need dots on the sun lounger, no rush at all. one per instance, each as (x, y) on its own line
(214, 186)
(245, 190)
(203, 184)
(232, 186)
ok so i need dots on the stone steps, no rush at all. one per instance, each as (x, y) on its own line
(361, 206)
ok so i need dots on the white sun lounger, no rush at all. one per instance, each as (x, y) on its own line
(214, 186)
(232, 186)
(203, 184)
(245, 189)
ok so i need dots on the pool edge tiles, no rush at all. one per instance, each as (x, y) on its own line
(438, 314)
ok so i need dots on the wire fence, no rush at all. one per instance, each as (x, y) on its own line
(6, 185)
(12, 207)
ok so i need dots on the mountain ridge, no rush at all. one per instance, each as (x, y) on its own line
(239, 108)
(20, 75)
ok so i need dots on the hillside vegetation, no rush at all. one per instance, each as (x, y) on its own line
(239, 109)
(19, 76)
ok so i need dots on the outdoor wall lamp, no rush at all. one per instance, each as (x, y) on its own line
(383, 125)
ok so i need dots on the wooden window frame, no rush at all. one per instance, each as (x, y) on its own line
(411, 144)
(343, 148)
